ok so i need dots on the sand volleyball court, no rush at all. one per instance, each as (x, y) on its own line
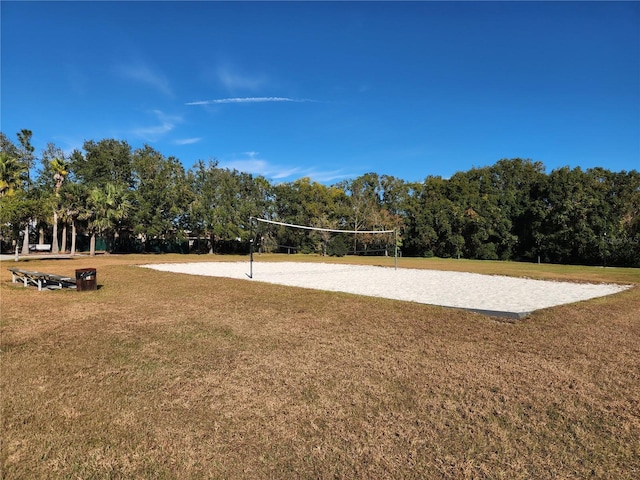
(489, 294)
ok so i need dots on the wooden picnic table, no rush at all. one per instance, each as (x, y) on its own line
(41, 280)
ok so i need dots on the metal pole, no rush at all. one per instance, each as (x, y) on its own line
(250, 247)
(395, 259)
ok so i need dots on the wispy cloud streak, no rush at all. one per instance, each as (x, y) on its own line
(232, 80)
(188, 141)
(219, 101)
(258, 166)
(166, 123)
(145, 75)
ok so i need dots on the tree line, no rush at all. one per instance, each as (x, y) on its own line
(138, 200)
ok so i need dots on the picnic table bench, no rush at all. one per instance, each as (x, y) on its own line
(40, 247)
(41, 280)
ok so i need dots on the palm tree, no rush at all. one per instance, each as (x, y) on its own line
(26, 158)
(74, 201)
(11, 171)
(59, 168)
(106, 208)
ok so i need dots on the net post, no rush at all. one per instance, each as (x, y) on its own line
(395, 245)
(250, 247)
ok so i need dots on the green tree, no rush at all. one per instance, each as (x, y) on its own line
(161, 195)
(624, 225)
(485, 227)
(364, 199)
(106, 161)
(254, 199)
(74, 205)
(107, 207)
(8, 147)
(515, 185)
(222, 203)
(16, 210)
(55, 170)
(308, 203)
(26, 152)
(433, 222)
(12, 183)
(25, 155)
(11, 171)
(567, 234)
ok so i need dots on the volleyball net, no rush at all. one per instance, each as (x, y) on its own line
(324, 232)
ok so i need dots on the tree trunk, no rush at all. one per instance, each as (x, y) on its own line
(73, 237)
(25, 240)
(92, 245)
(41, 235)
(54, 241)
(63, 248)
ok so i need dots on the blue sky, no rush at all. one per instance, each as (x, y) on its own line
(330, 90)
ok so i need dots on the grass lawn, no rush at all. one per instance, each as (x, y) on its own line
(162, 375)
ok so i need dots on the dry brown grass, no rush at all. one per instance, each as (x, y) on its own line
(160, 375)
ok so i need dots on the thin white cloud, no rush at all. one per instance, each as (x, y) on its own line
(330, 175)
(232, 80)
(188, 141)
(219, 101)
(145, 75)
(152, 133)
(254, 164)
(284, 172)
(258, 166)
(166, 123)
(250, 165)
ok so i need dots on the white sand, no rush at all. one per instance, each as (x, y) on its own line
(506, 296)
